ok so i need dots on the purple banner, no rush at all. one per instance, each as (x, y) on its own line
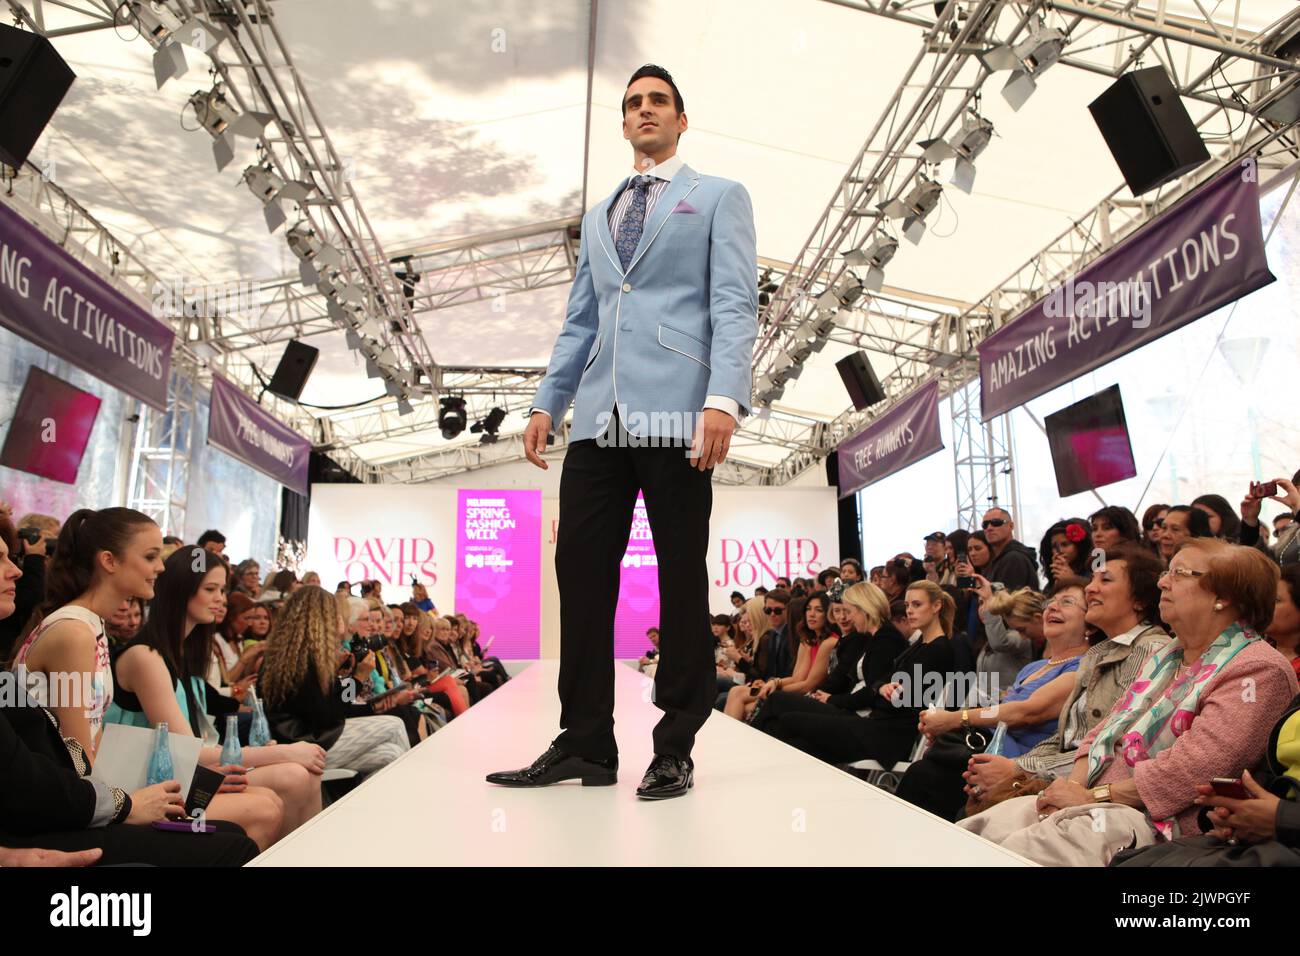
(1205, 252)
(51, 299)
(243, 429)
(903, 435)
(498, 569)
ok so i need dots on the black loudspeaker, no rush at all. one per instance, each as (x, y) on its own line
(864, 388)
(1147, 128)
(33, 80)
(291, 374)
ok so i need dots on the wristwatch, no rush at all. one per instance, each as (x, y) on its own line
(1101, 794)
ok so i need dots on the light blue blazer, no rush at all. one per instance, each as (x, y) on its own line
(678, 325)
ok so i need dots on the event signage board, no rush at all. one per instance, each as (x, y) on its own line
(385, 533)
(498, 574)
(1207, 251)
(244, 430)
(51, 299)
(900, 437)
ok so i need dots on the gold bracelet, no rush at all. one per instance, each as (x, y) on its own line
(965, 718)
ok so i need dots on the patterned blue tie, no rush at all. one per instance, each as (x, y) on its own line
(629, 230)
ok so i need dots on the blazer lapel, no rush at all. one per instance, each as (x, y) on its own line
(680, 187)
(602, 227)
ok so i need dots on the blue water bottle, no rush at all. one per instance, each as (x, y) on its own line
(231, 753)
(160, 761)
(259, 734)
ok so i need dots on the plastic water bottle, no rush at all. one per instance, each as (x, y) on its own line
(999, 735)
(259, 734)
(160, 761)
(231, 752)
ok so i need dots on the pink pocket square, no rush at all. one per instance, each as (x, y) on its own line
(684, 206)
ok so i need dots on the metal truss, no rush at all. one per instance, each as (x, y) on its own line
(983, 460)
(162, 451)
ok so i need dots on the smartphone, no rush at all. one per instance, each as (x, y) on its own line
(183, 826)
(1263, 489)
(965, 581)
(1230, 787)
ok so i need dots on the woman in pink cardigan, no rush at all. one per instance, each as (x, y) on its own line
(1201, 708)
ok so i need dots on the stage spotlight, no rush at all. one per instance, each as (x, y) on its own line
(489, 425)
(153, 20)
(451, 416)
(965, 147)
(263, 182)
(1027, 60)
(917, 204)
(875, 256)
(222, 119)
(404, 406)
(765, 288)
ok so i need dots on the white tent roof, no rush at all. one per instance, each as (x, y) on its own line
(465, 118)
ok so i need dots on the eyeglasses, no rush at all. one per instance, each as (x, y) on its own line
(1157, 523)
(773, 610)
(994, 522)
(1063, 602)
(1181, 572)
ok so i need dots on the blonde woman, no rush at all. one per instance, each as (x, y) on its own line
(751, 624)
(916, 679)
(305, 700)
(864, 659)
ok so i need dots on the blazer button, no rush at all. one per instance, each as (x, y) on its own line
(627, 287)
(1095, 712)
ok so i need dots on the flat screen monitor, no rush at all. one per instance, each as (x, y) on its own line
(1090, 443)
(50, 428)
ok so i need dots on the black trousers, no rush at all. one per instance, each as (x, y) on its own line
(125, 844)
(598, 490)
(832, 738)
(783, 703)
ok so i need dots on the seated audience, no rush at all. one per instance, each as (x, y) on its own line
(1066, 551)
(52, 813)
(1224, 522)
(160, 678)
(917, 679)
(307, 701)
(817, 638)
(1184, 721)
(1112, 526)
(1012, 565)
(1028, 710)
(1123, 599)
(864, 658)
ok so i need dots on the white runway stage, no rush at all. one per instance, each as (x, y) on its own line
(756, 801)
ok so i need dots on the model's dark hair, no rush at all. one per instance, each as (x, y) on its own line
(659, 73)
(1229, 523)
(1121, 519)
(212, 535)
(186, 655)
(828, 626)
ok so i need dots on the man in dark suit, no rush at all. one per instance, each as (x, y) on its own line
(656, 354)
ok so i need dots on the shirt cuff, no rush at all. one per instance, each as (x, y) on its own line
(105, 805)
(723, 403)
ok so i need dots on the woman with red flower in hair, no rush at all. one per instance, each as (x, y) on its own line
(1066, 551)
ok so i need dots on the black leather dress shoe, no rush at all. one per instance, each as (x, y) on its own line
(554, 766)
(667, 777)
